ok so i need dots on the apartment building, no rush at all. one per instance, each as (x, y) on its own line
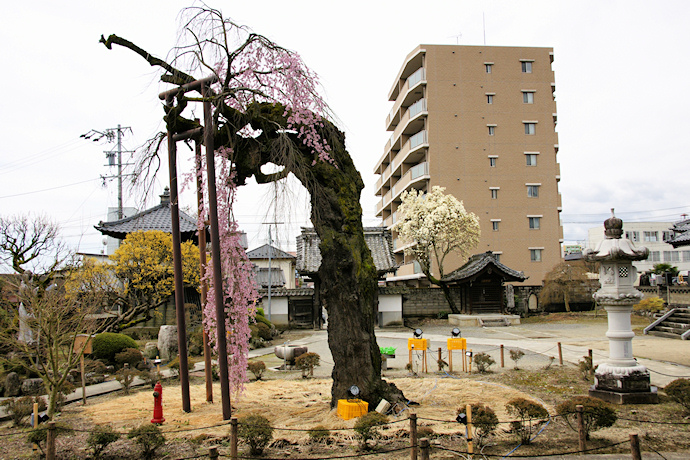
(655, 236)
(480, 121)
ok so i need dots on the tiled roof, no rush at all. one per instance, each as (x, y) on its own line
(261, 277)
(262, 253)
(681, 234)
(378, 240)
(156, 218)
(284, 292)
(477, 263)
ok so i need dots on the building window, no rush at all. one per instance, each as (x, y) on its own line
(671, 256)
(528, 97)
(666, 236)
(530, 128)
(494, 225)
(533, 191)
(651, 237)
(531, 159)
(633, 236)
(489, 98)
(492, 130)
(534, 223)
(654, 256)
(492, 162)
(535, 255)
(686, 256)
(488, 67)
(526, 67)
(494, 193)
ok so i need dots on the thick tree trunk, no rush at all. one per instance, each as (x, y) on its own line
(449, 298)
(348, 279)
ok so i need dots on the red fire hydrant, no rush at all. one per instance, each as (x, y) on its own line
(158, 404)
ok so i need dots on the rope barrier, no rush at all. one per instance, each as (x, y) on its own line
(360, 455)
(555, 454)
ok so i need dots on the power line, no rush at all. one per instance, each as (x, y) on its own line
(48, 189)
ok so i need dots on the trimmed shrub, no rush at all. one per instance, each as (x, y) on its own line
(483, 361)
(585, 367)
(126, 378)
(100, 438)
(257, 368)
(131, 356)
(596, 413)
(366, 425)
(108, 344)
(649, 305)
(39, 436)
(319, 434)
(174, 366)
(516, 355)
(307, 362)
(484, 421)
(149, 437)
(196, 341)
(256, 431)
(679, 391)
(19, 408)
(530, 414)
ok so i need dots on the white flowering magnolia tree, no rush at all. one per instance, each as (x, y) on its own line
(436, 225)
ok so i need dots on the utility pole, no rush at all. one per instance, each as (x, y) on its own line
(270, 253)
(114, 156)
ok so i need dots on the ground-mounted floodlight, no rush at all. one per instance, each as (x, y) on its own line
(418, 333)
(455, 332)
(353, 392)
(468, 354)
(461, 418)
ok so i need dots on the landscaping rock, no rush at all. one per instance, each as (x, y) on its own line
(13, 386)
(32, 387)
(167, 342)
(151, 350)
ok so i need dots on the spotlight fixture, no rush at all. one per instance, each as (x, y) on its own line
(353, 392)
(461, 418)
(418, 333)
(455, 332)
(468, 354)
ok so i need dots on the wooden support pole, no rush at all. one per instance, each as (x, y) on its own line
(470, 443)
(424, 448)
(560, 354)
(450, 361)
(213, 452)
(591, 362)
(440, 358)
(202, 271)
(233, 438)
(635, 447)
(177, 270)
(83, 379)
(503, 361)
(581, 427)
(50, 441)
(413, 436)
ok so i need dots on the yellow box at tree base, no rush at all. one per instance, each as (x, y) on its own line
(457, 344)
(352, 408)
(417, 344)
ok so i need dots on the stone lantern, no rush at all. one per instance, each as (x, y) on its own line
(620, 379)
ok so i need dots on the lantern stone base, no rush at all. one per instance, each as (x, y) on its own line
(623, 385)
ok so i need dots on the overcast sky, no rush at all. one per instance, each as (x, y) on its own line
(622, 93)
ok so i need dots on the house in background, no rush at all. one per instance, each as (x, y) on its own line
(379, 241)
(282, 273)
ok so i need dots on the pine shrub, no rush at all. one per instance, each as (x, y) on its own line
(484, 421)
(530, 416)
(257, 368)
(256, 431)
(131, 356)
(679, 391)
(307, 362)
(107, 344)
(100, 438)
(596, 413)
(367, 425)
(149, 437)
(483, 361)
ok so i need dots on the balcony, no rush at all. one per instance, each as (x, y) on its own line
(411, 90)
